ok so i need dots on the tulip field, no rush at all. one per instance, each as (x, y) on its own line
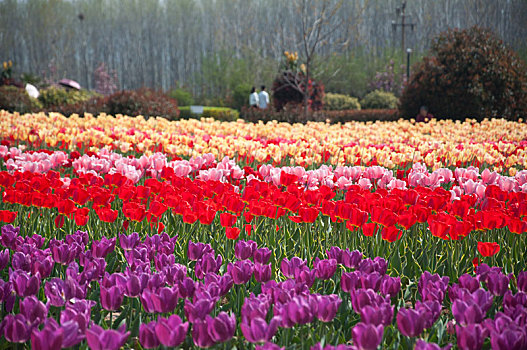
(134, 233)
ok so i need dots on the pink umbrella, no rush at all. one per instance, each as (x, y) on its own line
(70, 83)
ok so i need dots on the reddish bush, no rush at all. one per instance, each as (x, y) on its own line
(469, 73)
(145, 102)
(288, 88)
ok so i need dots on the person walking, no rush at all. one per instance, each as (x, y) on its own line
(253, 98)
(263, 98)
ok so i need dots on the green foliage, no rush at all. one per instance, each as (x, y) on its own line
(14, 99)
(56, 96)
(468, 73)
(240, 96)
(183, 97)
(339, 102)
(145, 102)
(379, 99)
(295, 114)
(218, 113)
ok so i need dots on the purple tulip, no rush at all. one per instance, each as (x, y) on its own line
(24, 284)
(163, 261)
(111, 298)
(16, 328)
(135, 284)
(7, 296)
(244, 250)
(171, 332)
(483, 270)
(269, 346)
(222, 327)
(377, 264)
(509, 339)
(466, 313)
(9, 236)
(199, 309)
(4, 259)
(256, 330)
(422, 345)
(470, 337)
(64, 253)
(200, 334)
(390, 286)
(129, 242)
(103, 247)
(43, 265)
(363, 297)
(262, 255)
(367, 336)
(497, 283)
(371, 280)
(468, 282)
(290, 267)
(21, 261)
(432, 287)
(300, 310)
(72, 334)
(50, 337)
(305, 275)
(377, 315)
(410, 322)
(155, 281)
(147, 335)
(254, 307)
(197, 250)
(327, 307)
(79, 237)
(163, 301)
(241, 271)
(512, 301)
(208, 263)
(174, 273)
(325, 269)
(110, 339)
(33, 309)
(351, 259)
(480, 297)
(521, 281)
(431, 310)
(335, 253)
(262, 273)
(349, 281)
(187, 287)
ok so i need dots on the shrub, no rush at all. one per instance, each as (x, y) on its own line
(339, 102)
(105, 80)
(14, 99)
(295, 114)
(468, 73)
(95, 105)
(288, 88)
(379, 99)
(56, 96)
(218, 113)
(364, 115)
(183, 97)
(240, 96)
(145, 102)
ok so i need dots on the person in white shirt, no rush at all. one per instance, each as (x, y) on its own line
(253, 98)
(263, 98)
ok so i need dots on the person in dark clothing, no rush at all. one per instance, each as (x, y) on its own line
(424, 116)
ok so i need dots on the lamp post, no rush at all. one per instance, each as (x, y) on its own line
(408, 52)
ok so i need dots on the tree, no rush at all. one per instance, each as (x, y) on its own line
(469, 73)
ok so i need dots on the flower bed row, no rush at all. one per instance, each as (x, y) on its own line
(498, 144)
(153, 292)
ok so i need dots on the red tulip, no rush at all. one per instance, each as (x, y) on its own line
(227, 219)
(232, 232)
(107, 214)
(369, 229)
(8, 216)
(59, 221)
(391, 234)
(488, 248)
(248, 229)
